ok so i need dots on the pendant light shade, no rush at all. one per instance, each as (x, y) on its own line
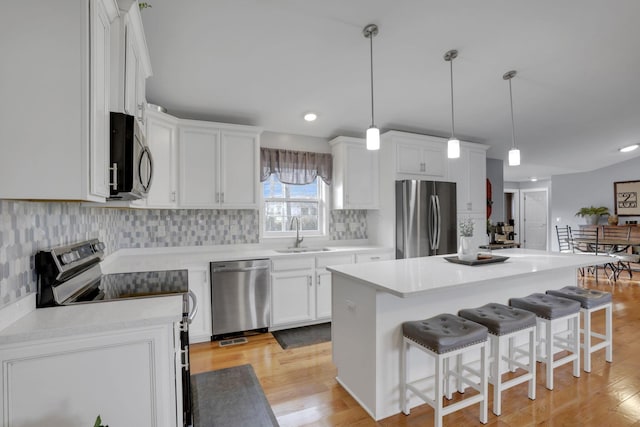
(453, 145)
(514, 153)
(514, 157)
(373, 133)
(373, 138)
(453, 148)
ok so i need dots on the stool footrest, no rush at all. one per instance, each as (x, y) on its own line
(515, 381)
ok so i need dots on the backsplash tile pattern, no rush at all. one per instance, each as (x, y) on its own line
(165, 227)
(26, 227)
(354, 224)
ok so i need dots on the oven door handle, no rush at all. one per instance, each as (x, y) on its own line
(193, 308)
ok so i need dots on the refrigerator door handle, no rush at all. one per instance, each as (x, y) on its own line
(433, 223)
(438, 223)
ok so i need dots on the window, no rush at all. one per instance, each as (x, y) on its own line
(282, 202)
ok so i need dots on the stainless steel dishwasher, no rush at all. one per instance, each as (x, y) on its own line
(239, 297)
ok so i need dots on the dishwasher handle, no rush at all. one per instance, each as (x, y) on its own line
(223, 269)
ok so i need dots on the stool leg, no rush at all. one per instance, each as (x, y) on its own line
(495, 373)
(576, 345)
(609, 332)
(548, 348)
(438, 392)
(586, 315)
(404, 363)
(459, 384)
(512, 367)
(484, 404)
(447, 385)
(532, 363)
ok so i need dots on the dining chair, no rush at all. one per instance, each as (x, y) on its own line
(586, 241)
(564, 239)
(619, 252)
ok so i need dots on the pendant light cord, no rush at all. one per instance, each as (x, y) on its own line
(371, 68)
(513, 126)
(452, 119)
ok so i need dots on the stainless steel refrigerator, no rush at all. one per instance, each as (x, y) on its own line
(426, 218)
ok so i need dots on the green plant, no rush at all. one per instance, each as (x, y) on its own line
(144, 5)
(466, 227)
(592, 210)
(98, 422)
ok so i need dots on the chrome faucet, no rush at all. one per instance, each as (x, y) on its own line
(298, 238)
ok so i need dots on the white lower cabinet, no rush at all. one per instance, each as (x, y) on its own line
(292, 297)
(323, 294)
(301, 289)
(375, 256)
(128, 377)
(200, 285)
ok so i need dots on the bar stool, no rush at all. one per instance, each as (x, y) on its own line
(551, 312)
(591, 300)
(443, 337)
(506, 323)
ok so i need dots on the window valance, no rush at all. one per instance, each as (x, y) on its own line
(295, 167)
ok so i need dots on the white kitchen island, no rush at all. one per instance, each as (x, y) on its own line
(371, 301)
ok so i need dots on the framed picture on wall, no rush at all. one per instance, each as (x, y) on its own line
(627, 194)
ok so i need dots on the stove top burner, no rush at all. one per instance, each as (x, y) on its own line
(71, 274)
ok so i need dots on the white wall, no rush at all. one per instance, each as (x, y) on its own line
(573, 191)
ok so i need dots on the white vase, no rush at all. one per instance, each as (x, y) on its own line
(466, 250)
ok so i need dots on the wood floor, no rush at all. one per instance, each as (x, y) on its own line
(300, 383)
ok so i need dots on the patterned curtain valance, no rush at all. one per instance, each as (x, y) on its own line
(295, 167)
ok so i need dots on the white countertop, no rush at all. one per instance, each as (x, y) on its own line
(27, 323)
(53, 322)
(408, 277)
(157, 259)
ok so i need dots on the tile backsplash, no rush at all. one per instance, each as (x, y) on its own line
(26, 227)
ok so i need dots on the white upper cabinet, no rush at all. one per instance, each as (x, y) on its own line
(131, 63)
(218, 165)
(199, 163)
(61, 64)
(355, 174)
(162, 138)
(469, 172)
(421, 155)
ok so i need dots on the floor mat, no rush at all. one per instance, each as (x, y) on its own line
(305, 335)
(230, 397)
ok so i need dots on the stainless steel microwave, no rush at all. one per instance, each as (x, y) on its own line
(131, 162)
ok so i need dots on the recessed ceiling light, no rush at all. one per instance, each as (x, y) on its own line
(533, 179)
(310, 117)
(628, 148)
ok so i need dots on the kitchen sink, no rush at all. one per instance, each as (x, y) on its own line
(301, 250)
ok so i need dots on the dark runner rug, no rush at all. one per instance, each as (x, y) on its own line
(230, 397)
(305, 335)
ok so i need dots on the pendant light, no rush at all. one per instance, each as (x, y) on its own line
(453, 145)
(514, 153)
(373, 133)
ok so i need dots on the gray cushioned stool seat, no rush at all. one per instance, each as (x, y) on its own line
(588, 298)
(444, 333)
(546, 306)
(500, 319)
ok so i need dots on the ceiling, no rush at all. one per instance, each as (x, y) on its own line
(267, 62)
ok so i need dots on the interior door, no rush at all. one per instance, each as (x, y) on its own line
(535, 219)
